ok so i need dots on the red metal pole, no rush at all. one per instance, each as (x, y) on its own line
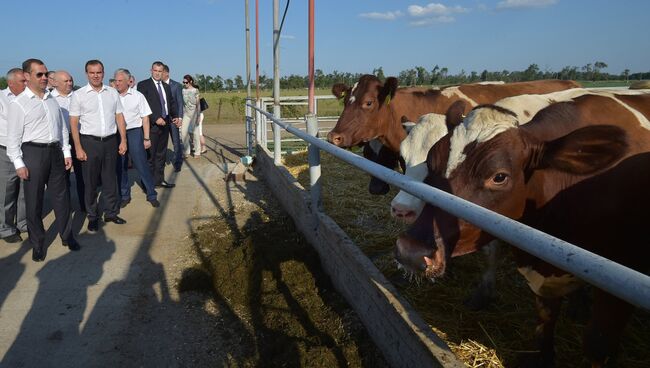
(311, 102)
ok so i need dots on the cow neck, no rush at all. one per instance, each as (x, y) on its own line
(396, 133)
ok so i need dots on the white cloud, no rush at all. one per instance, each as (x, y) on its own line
(522, 4)
(434, 9)
(432, 20)
(382, 16)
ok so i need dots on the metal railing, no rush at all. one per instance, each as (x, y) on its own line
(618, 280)
(299, 122)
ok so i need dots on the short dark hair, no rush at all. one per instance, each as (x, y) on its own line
(50, 72)
(27, 64)
(165, 68)
(158, 63)
(93, 62)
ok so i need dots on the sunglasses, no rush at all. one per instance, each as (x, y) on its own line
(41, 74)
(186, 82)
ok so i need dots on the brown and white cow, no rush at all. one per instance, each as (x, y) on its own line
(579, 171)
(375, 110)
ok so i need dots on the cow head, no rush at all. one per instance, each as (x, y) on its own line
(365, 110)
(491, 162)
(414, 149)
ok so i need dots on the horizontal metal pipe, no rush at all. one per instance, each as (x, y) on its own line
(623, 282)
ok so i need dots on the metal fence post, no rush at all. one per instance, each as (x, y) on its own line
(249, 127)
(258, 122)
(277, 137)
(313, 154)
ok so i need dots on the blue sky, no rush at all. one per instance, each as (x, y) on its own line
(207, 36)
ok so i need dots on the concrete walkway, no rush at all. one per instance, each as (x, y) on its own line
(114, 302)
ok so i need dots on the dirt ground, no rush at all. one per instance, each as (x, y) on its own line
(217, 276)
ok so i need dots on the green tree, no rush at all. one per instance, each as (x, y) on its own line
(379, 72)
(598, 66)
(239, 82)
(3, 82)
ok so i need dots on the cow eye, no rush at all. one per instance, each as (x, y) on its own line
(368, 103)
(500, 178)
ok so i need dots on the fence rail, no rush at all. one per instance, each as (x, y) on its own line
(623, 282)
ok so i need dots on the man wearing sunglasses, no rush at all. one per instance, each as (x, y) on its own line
(12, 193)
(38, 146)
(95, 120)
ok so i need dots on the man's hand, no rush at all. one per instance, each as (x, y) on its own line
(178, 122)
(68, 163)
(147, 143)
(81, 154)
(161, 122)
(23, 173)
(122, 148)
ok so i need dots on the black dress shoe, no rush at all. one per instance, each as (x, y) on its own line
(115, 219)
(177, 169)
(38, 255)
(125, 202)
(13, 238)
(71, 244)
(93, 225)
(154, 202)
(164, 184)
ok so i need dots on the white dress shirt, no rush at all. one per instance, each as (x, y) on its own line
(32, 119)
(7, 92)
(96, 110)
(162, 88)
(64, 103)
(135, 108)
(4, 110)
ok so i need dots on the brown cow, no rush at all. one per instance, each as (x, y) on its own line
(578, 171)
(375, 110)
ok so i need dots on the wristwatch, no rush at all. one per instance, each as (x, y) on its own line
(147, 139)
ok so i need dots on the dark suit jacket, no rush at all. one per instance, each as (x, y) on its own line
(177, 92)
(150, 91)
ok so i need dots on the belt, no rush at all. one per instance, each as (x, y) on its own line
(134, 128)
(42, 145)
(100, 139)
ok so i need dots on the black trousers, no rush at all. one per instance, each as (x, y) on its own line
(46, 167)
(78, 175)
(159, 136)
(100, 163)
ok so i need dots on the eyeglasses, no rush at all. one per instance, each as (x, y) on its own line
(186, 82)
(41, 74)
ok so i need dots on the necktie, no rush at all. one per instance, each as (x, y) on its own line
(162, 101)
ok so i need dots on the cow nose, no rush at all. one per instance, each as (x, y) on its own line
(335, 138)
(404, 214)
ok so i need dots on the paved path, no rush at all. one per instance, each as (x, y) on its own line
(114, 302)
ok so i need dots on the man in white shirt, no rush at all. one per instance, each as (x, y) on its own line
(12, 194)
(38, 146)
(95, 119)
(63, 94)
(136, 113)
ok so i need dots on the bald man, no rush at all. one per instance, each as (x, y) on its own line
(63, 94)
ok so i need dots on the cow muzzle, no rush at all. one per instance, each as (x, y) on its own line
(418, 259)
(336, 139)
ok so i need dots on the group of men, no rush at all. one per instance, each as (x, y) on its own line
(46, 130)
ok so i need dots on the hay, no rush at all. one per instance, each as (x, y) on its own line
(489, 338)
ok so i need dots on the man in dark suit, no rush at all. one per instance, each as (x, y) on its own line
(163, 114)
(177, 92)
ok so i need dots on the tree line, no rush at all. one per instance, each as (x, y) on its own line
(417, 76)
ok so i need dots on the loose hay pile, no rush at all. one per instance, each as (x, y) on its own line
(490, 338)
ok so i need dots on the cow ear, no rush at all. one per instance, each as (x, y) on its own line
(387, 91)
(407, 124)
(586, 150)
(339, 90)
(455, 114)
